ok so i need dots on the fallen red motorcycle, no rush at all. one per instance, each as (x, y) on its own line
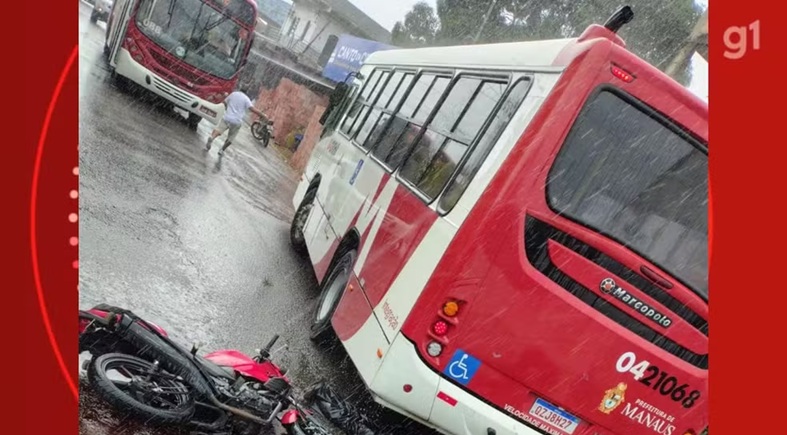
(139, 370)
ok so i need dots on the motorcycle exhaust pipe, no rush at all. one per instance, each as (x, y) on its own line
(245, 414)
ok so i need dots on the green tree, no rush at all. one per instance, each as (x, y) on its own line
(418, 29)
(658, 30)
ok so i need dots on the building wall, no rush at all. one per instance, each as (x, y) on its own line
(333, 29)
(310, 138)
(303, 14)
(291, 107)
(306, 13)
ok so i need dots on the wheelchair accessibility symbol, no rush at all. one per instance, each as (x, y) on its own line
(462, 367)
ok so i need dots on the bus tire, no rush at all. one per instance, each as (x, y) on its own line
(297, 240)
(331, 291)
(193, 121)
(93, 17)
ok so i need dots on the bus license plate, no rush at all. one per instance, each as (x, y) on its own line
(554, 416)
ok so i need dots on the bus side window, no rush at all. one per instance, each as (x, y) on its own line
(376, 111)
(406, 128)
(367, 101)
(488, 140)
(450, 133)
(386, 112)
(352, 114)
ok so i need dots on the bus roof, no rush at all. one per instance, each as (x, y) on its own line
(546, 55)
(538, 54)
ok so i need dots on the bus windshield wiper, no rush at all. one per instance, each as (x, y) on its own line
(171, 11)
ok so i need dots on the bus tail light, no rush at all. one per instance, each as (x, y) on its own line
(440, 328)
(451, 308)
(133, 48)
(131, 45)
(434, 349)
(622, 74)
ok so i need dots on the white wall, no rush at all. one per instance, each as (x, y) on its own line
(303, 14)
(309, 13)
(332, 29)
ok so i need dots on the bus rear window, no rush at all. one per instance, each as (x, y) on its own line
(635, 179)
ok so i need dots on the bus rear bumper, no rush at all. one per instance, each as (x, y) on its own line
(127, 67)
(431, 399)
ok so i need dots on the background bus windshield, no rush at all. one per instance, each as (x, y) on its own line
(629, 176)
(195, 32)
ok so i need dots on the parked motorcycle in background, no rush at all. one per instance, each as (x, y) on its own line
(262, 130)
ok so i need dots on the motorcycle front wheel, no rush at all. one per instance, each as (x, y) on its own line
(257, 131)
(135, 386)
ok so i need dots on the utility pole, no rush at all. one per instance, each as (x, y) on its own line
(695, 39)
(486, 18)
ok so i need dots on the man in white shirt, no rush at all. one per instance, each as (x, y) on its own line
(236, 103)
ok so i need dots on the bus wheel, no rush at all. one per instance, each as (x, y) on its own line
(331, 292)
(121, 82)
(93, 17)
(193, 121)
(297, 240)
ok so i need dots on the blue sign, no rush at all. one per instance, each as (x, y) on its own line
(349, 55)
(462, 367)
(357, 171)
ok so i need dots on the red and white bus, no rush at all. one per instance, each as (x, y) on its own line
(512, 238)
(189, 52)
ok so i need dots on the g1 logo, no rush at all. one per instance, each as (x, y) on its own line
(735, 39)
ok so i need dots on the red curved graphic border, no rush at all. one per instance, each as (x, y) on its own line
(747, 163)
(33, 240)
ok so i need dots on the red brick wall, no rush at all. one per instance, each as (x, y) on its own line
(310, 138)
(290, 106)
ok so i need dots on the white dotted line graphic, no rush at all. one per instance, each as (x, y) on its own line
(74, 218)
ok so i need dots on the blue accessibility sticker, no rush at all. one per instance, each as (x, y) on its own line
(462, 367)
(357, 171)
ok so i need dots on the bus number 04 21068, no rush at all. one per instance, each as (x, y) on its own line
(664, 384)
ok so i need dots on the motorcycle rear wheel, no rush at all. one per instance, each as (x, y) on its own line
(139, 397)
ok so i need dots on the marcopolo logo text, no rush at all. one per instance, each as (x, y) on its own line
(608, 286)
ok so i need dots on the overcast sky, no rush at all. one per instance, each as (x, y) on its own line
(387, 12)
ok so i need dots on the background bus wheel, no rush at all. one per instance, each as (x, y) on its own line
(121, 82)
(93, 17)
(331, 292)
(193, 121)
(297, 240)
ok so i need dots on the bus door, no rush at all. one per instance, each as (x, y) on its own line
(116, 30)
(348, 184)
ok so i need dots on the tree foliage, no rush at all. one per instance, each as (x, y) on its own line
(419, 27)
(658, 30)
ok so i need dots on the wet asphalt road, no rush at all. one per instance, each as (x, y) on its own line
(191, 241)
